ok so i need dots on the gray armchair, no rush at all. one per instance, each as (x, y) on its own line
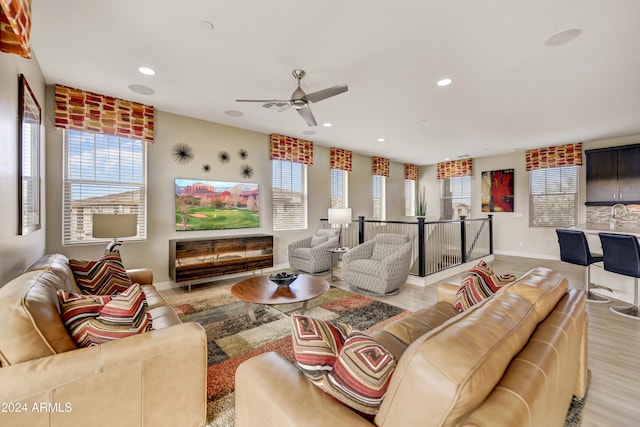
(311, 255)
(380, 265)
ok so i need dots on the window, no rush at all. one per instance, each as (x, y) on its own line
(102, 174)
(339, 188)
(553, 197)
(410, 197)
(379, 198)
(456, 197)
(289, 184)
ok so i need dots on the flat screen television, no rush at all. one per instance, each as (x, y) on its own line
(215, 205)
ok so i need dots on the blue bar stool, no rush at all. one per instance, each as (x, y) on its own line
(622, 255)
(574, 249)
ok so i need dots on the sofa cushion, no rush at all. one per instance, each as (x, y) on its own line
(318, 240)
(105, 276)
(95, 319)
(316, 344)
(304, 253)
(479, 284)
(382, 250)
(361, 374)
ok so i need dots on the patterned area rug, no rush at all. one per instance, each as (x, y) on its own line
(233, 338)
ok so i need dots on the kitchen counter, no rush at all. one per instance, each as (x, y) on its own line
(598, 227)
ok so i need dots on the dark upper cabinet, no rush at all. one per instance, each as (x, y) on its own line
(613, 175)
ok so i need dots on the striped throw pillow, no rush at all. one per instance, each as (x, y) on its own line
(479, 284)
(348, 365)
(105, 276)
(361, 375)
(96, 319)
(316, 344)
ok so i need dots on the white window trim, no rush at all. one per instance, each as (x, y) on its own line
(383, 197)
(127, 206)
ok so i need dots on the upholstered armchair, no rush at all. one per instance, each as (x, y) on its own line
(380, 265)
(311, 255)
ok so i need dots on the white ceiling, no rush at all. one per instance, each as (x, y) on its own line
(509, 91)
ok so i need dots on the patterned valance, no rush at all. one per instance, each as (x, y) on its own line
(341, 159)
(80, 110)
(455, 168)
(15, 27)
(411, 171)
(554, 157)
(380, 166)
(291, 149)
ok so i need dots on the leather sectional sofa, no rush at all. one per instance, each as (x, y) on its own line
(156, 378)
(515, 359)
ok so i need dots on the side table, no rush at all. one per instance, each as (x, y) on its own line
(336, 255)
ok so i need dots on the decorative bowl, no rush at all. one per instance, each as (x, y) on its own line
(283, 280)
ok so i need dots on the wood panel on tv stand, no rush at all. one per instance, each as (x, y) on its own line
(205, 257)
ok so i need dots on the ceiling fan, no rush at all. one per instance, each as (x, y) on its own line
(300, 100)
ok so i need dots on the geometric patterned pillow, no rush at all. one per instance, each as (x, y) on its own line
(95, 319)
(479, 284)
(103, 277)
(361, 375)
(316, 344)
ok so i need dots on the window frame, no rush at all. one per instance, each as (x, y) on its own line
(382, 198)
(77, 176)
(410, 197)
(339, 188)
(281, 193)
(449, 184)
(535, 221)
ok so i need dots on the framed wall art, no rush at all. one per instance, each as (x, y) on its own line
(29, 119)
(497, 191)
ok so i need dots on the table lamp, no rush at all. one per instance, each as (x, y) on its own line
(340, 216)
(114, 226)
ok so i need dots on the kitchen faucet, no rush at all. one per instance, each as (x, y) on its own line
(612, 220)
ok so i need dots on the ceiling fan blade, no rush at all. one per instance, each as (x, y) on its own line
(307, 115)
(262, 100)
(327, 93)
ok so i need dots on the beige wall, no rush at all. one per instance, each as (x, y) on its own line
(16, 252)
(207, 139)
(512, 234)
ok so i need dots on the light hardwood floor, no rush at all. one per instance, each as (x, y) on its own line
(614, 342)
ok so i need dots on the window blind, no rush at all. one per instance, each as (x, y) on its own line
(379, 203)
(102, 174)
(339, 192)
(289, 189)
(409, 197)
(553, 197)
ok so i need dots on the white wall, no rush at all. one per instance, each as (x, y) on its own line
(16, 251)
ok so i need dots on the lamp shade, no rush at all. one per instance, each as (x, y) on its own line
(340, 216)
(115, 225)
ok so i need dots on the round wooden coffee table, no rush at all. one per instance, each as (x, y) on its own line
(261, 290)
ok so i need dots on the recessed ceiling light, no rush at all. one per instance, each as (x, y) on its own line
(562, 37)
(446, 159)
(444, 82)
(147, 71)
(327, 125)
(234, 113)
(142, 90)
(309, 132)
(380, 139)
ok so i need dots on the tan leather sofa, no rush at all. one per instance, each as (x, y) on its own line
(157, 378)
(515, 359)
